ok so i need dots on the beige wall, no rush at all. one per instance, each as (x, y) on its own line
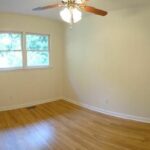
(107, 62)
(36, 85)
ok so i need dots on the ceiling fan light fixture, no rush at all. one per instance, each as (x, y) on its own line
(71, 15)
(65, 15)
(72, 10)
(77, 15)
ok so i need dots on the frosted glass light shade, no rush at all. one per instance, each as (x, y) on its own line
(71, 15)
(77, 15)
(66, 15)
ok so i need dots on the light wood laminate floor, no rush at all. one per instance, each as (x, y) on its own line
(63, 126)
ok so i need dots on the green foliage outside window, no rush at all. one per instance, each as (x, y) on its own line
(37, 50)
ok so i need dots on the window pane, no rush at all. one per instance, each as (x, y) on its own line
(37, 58)
(10, 41)
(37, 42)
(10, 59)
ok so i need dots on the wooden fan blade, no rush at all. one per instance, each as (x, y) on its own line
(47, 7)
(94, 10)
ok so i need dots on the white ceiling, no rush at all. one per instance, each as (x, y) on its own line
(25, 6)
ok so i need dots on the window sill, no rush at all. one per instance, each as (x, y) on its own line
(26, 68)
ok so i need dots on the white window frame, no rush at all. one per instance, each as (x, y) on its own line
(24, 52)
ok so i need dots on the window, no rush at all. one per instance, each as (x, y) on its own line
(19, 50)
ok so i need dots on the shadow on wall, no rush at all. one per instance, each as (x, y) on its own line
(107, 66)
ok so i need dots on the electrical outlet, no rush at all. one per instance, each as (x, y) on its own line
(10, 97)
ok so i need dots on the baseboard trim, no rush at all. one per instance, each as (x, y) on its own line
(29, 104)
(93, 108)
(110, 113)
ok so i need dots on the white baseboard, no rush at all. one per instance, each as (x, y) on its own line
(28, 104)
(110, 113)
(93, 108)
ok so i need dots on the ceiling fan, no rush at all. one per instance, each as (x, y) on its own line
(72, 10)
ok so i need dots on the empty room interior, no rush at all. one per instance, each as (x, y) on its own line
(74, 74)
